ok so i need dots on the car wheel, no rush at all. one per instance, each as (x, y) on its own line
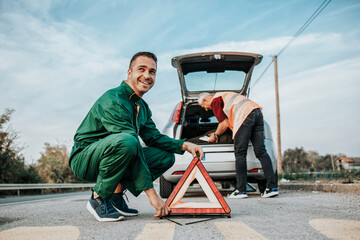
(166, 187)
(262, 185)
(225, 185)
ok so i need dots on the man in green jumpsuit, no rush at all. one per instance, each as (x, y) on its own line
(107, 147)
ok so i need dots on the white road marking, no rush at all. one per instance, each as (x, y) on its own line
(238, 230)
(337, 228)
(34, 201)
(157, 231)
(43, 233)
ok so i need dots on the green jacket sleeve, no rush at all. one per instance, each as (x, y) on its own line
(153, 138)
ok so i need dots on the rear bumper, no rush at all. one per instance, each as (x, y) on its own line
(220, 163)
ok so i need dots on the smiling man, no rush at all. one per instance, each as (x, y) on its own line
(107, 147)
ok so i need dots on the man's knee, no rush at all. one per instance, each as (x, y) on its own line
(171, 161)
(241, 152)
(260, 152)
(125, 144)
(168, 160)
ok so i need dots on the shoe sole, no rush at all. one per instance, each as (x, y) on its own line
(126, 214)
(93, 212)
(237, 197)
(272, 194)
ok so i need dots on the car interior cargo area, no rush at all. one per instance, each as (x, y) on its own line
(198, 123)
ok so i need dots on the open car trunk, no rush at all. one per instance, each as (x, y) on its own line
(210, 72)
(197, 122)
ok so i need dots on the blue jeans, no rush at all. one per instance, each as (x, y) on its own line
(252, 129)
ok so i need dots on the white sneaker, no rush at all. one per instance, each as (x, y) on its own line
(237, 194)
(270, 193)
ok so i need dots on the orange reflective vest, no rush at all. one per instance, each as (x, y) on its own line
(236, 107)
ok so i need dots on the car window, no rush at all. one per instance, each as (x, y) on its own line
(214, 81)
(208, 120)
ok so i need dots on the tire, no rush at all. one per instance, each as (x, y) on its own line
(166, 187)
(225, 185)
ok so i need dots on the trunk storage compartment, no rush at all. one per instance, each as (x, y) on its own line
(199, 122)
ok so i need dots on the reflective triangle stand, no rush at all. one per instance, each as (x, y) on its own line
(216, 206)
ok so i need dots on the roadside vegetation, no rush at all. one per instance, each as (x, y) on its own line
(12, 164)
(51, 167)
(299, 164)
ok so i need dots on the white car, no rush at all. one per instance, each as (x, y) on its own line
(212, 72)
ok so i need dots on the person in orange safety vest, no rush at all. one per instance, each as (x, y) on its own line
(245, 119)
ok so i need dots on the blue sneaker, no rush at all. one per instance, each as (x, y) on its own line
(120, 205)
(103, 210)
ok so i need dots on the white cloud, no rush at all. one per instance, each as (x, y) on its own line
(266, 47)
(317, 107)
(51, 72)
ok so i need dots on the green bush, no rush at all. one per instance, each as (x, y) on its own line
(345, 176)
(12, 164)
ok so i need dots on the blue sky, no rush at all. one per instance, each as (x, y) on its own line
(58, 57)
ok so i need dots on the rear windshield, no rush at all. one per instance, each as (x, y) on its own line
(214, 81)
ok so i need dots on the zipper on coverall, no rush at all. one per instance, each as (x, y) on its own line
(137, 114)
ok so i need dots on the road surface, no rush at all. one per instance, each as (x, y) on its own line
(292, 215)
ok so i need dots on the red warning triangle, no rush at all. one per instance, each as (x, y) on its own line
(216, 204)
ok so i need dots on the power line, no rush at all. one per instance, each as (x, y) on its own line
(306, 24)
(297, 34)
(257, 80)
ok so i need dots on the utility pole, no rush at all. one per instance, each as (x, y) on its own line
(332, 162)
(279, 163)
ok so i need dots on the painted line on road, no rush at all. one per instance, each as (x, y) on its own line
(44, 233)
(337, 228)
(157, 231)
(238, 230)
(33, 201)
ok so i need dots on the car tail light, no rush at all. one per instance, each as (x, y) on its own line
(176, 114)
(178, 173)
(256, 170)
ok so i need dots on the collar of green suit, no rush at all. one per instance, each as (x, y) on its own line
(129, 92)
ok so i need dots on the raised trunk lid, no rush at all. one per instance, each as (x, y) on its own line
(214, 72)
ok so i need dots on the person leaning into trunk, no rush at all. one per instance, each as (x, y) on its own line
(245, 119)
(107, 148)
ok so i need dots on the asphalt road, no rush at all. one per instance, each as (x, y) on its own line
(36, 198)
(292, 215)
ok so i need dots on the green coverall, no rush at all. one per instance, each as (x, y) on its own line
(107, 148)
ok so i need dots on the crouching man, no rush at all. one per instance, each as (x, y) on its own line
(107, 148)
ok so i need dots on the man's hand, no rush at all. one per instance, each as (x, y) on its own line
(194, 149)
(157, 203)
(221, 128)
(212, 138)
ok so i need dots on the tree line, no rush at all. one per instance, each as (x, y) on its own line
(51, 167)
(299, 160)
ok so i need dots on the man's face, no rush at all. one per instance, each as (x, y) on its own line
(206, 104)
(141, 75)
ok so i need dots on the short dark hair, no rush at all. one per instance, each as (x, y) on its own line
(145, 54)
